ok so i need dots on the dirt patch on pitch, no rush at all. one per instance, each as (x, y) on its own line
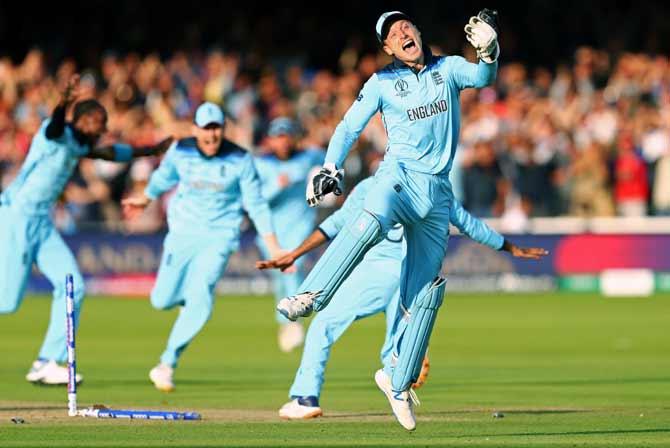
(22, 412)
(19, 412)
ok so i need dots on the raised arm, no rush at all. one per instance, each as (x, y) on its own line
(121, 152)
(349, 129)
(56, 126)
(346, 133)
(482, 32)
(466, 74)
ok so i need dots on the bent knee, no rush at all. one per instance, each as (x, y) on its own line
(9, 308)
(161, 301)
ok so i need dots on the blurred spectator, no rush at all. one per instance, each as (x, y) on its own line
(484, 186)
(535, 167)
(589, 194)
(631, 189)
(661, 199)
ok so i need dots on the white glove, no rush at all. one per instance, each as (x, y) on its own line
(327, 180)
(484, 38)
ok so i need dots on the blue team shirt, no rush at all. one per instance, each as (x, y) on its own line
(212, 192)
(288, 204)
(44, 173)
(420, 110)
(393, 246)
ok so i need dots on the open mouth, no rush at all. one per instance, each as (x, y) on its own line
(409, 44)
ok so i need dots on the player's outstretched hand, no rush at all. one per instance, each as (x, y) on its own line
(134, 206)
(328, 180)
(534, 253)
(482, 32)
(162, 146)
(283, 263)
(71, 91)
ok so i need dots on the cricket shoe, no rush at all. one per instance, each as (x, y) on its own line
(301, 408)
(299, 305)
(402, 403)
(49, 372)
(291, 336)
(161, 376)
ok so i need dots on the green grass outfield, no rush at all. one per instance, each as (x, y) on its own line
(566, 371)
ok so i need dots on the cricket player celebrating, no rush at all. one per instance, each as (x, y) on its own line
(418, 96)
(284, 173)
(372, 287)
(27, 233)
(216, 180)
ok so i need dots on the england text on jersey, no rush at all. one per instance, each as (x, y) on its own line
(427, 110)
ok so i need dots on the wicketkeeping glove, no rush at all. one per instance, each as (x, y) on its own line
(482, 32)
(328, 180)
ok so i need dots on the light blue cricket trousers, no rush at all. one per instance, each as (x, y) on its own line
(421, 203)
(27, 239)
(370, 289)
(190, 267)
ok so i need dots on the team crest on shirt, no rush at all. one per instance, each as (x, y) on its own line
(437, 78)
(402, 88)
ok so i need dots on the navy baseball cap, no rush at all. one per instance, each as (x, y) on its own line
(208, 113)
(386, 20)
(282, 126)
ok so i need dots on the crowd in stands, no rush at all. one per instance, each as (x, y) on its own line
(590, 138)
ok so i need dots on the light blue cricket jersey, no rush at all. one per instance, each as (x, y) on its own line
(393, 247)
(212, 191)
(45, 172)
(420, 110)
(288, 204)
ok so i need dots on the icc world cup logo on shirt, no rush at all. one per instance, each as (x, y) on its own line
(402, 87)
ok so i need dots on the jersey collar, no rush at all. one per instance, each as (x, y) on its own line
(223, 147)
(427, 57)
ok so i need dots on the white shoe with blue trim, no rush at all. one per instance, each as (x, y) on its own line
(402, 403)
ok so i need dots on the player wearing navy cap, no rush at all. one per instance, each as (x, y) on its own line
(418, 97)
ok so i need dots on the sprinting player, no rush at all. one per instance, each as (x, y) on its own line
(372, 287)
(284, 173)
(216, 180)
(27, 233)
(418, 96)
